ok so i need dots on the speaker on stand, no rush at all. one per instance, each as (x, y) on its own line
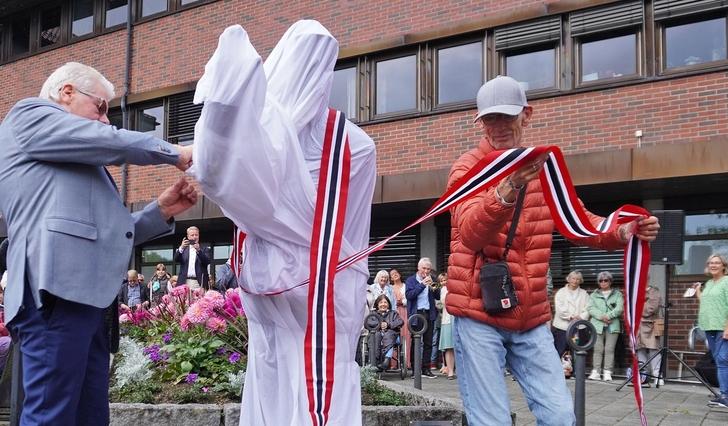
(667, 249)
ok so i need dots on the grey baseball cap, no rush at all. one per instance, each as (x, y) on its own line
(502, 95)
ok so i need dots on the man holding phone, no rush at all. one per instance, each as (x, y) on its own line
(421, 295)
(194, 260)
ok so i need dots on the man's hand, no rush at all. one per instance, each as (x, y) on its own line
(185, 157)
(384, 325)
(177, 198)
(646, 229)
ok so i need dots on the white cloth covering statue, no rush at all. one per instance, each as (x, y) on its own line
(257, 155)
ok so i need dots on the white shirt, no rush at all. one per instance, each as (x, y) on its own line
(191, 272)
(257, 154)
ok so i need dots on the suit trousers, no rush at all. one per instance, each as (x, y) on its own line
(65, 353)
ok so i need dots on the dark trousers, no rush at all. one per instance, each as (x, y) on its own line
(426, 343)
(559, 340)
(65, 353)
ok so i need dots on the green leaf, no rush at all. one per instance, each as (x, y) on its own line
(186, 366)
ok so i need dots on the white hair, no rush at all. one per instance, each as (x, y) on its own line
(380, 274)
(424, 261)
(79, 75)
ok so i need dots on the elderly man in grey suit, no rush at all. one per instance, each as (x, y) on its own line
(66, 220)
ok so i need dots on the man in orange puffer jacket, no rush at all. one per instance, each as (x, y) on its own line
(519, 338)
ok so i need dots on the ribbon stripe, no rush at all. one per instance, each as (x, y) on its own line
(326, 237)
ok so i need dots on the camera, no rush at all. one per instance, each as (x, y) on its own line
(193, 242)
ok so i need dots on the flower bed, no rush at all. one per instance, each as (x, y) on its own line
(190, 348)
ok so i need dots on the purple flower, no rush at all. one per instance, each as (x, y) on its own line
(167, 337)
(191, 378)
(234, 357)
(205, 389)
(151, 349)
(220, 351)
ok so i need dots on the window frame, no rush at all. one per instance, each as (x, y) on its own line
(661, 51)
(153, 103)
(699, 237)
(357, 64)
(503, 55)
(372, 84)
(587, 38)
(63, 27)
(433, 87)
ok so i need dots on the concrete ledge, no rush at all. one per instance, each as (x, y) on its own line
(427, 407)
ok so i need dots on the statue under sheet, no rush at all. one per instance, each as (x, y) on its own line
(257, 154)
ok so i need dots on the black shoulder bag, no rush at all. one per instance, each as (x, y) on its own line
(496, 285)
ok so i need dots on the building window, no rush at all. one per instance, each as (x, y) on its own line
(83, 17)
(343, 92)
(534, 70)
(705, 234)
(607, 58)
(396, 85)
(150, 119)
(152, 256)
(50, 27)
(20, 32)
(152, 7)
(695, 43)
(116, 12)
(459, 72)
(186, 2)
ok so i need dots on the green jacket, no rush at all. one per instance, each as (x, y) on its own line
(613, 306)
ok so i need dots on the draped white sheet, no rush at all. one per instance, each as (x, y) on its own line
(257, 154)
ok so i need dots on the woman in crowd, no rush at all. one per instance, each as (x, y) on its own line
(648, 340)
(398, 287)
(158, 284)
(605, 307)
(569, 305)
(381, 286)
(446, 345)
(713, 319)
(389, 326)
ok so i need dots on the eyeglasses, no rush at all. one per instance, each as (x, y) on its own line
(492, 118)
(102, 106)
(605, 281)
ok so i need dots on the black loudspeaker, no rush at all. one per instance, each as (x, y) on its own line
(667, 249)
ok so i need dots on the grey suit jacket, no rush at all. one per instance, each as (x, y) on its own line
(69, 231)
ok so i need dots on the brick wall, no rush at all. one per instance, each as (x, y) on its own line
(173, 49)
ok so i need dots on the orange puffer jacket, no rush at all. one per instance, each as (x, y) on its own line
(479, 230)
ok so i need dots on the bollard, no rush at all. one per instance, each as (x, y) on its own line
(581, 336)
(417, 325)
(371, 323)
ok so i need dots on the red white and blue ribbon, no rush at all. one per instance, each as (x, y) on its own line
(569, 217)
(238, 253)
(319, 346)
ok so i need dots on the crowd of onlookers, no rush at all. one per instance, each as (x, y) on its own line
(395, 299)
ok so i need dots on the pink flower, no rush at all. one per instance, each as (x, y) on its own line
(185, 323)
(180, 290)
(216, 325)
(166, 299)
(198, 292)
(233, 295)
(155, 311)
(198, 313)
(124, 318)
(214, 299)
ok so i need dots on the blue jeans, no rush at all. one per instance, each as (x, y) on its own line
(719, 349)
(481, 354)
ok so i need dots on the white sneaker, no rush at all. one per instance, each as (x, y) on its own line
(607, 375)
(659, 382)
(594, 375)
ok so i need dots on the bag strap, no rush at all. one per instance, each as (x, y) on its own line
(514, 221)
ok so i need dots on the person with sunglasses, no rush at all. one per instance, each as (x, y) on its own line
(66, 219)
(606, 305)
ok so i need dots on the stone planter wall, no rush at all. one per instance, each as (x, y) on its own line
(424, 407)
